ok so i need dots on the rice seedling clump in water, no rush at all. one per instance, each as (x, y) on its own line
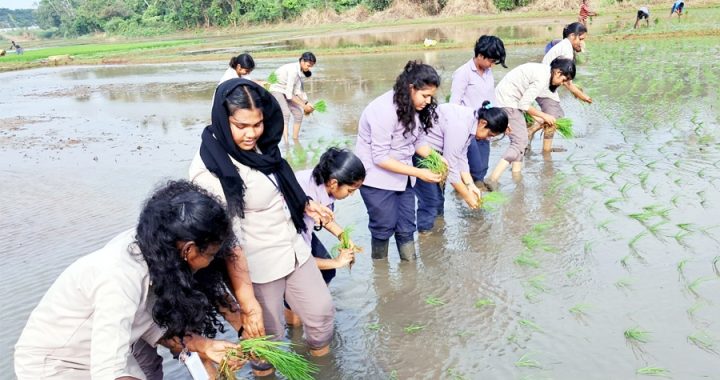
(320, 106)
(565, 127)
(434, 162)
(288, 363)
(492, 201)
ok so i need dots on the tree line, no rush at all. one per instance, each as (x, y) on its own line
(150, 17)
(16, 18)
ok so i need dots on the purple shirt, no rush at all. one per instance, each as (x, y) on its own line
(318, 193)
(452, 135)
(380, 137)
(470, 88)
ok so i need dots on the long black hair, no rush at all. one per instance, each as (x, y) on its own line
(184, 303)
(341, 165)
(419, 75)
(245, 61)
(496, 118)
(575, 28)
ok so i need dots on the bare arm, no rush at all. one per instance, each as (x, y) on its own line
(242, 287)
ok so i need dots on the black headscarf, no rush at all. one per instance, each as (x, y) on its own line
(218, 146)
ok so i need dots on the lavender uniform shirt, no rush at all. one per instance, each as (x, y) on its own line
(380, 138)
(318, 193)
(452, 135)
(470, 88)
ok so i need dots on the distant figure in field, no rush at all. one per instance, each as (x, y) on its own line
(585, 12)
(18, 48)
(678, 8)
(642, 13)
(240, 67)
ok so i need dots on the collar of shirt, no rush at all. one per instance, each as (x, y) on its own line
(474, 68)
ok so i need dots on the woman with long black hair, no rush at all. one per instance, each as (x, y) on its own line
(239, 161)
(152, 284)
(392, 128)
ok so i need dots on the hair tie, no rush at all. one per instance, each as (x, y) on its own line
(488, 106)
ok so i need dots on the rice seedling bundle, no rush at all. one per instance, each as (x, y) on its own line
(529, 120)
(320, 106)
(580, 309)
(565, 127)
(434, 162)
(288, 363)
(492, 201)
(637, 335)
(272, 78)
(484, 302)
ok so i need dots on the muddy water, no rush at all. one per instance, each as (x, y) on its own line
(83, 146)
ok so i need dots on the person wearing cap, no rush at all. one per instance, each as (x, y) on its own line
(457, 128)
(472, 84)
(642, 13)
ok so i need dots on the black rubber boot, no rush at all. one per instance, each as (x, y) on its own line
(379, 249)
(406, 247)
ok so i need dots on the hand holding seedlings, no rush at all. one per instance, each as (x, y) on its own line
(435, 163)
(549, 119)
(288, 363)
(473, 197)
(428, 176)
(308, 108)
(214, 350)
(345, 257)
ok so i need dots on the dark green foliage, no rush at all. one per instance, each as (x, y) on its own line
(507, 5)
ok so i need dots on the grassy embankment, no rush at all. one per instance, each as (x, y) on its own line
(218, 44)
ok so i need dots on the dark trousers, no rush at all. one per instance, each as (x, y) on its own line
(430, 201)
(390, 212)
(318, 250)
(478, 158)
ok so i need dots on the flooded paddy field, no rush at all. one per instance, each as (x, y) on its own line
(604, 264)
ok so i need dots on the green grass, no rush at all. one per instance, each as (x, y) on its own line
(89, 51)
(635, 334)
(434, 301)
(320, 106)
(413, 328)
(483, 302)
(565, 127)
(653, 371)
(526, 362)
(288, 363)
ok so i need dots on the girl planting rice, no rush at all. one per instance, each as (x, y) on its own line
(338, 174)
(240, 67)
(104, 315)
(393, 128)
(289, 93)
(549, 101)
(239, 161)
(456, 129)
(515, 94)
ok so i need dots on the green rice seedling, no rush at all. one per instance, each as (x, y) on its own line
(565, 127)
(692, 287)
(613, 175)
(715, 263)
(703, 340)
(604, 225)
(393, 375)
(655, 229)
(434, 162)
(272, 78)
(623, 283)
(681, 266)
(624, 261)
(653, 371)
(680, 236)
(538, 283)
(455, 374)
(674, 200)
(573, 272)
(481, 303)
(320, 106)
(530, 325)
(624, 190)
(288, 363)
(694, 308)
(580, 309)
(529, 120)
(689, 227)
(413, 328)
(599, 187)
(463, 333)
(526, 362)
(610, 203)
(531, 240)
(526, 259)
(643, 179)
(493, 200)
(636, 335)
(434, 301)
(373, 326)
(651, 165)
(633, 242)
(588, 248)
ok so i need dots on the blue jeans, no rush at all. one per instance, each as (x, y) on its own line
(390, 212)
(431, 202)
(478, 158)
